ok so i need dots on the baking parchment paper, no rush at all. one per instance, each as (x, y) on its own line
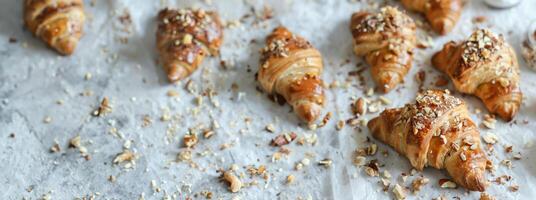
(35, 80)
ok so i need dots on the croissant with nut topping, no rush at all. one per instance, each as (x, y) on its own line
(291, 67)
(486, 66)
(436, 131)
(386, 40)
(59, 23)
(442, 14)
(183, 39)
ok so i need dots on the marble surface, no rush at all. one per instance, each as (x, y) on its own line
(34, 79)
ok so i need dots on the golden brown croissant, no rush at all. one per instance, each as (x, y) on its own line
(387, 40)
(486, 66)
(57, 22)
(291, 67)
(184, 37)
(442, 14)
(436, 131)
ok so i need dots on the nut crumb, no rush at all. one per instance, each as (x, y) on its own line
(234, 182)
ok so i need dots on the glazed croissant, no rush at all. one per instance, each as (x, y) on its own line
(184, 37)
(291, 67)
(387, 40)
(436, 131)
(57, 22)
(442, 14)
(486, 66)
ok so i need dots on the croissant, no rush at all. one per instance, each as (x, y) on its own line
(184, 37)
(291, 67)
(486, 66)
(387, 40)
(436, 131)
(442, 14)
(57, 22)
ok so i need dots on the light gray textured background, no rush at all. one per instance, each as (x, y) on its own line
(33, 78)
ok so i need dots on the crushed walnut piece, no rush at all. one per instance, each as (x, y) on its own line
(480, 46)
(190, 140)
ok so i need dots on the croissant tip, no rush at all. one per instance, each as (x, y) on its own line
(308, 112)
(66, 47)
(176, 72)
(507, 111)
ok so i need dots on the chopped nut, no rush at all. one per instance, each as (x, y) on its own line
(125, 156)
(47, 119)
(360, 106)
(490, 138)
(283, 139)
(514, 188)
(234, 182)
(340, 125)
(104, 108)
(290, 179)
(360, 160)
(190, 140)
(372, 149)
(371, 171)
(418, 183)
(208, 134)
(386, 174)
(399, 192)
(485, 196)
(184, 156)
(55, 148)
(489, 121)
(445, 183)
(385, 100)
(326, 163)
(75, 142)
(270, 128)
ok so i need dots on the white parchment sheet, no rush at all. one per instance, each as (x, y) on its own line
(36, 84)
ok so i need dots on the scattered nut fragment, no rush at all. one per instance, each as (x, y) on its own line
(372, 149)
(340, 125)
(399, 192)
(371, 171)
(446, 183)
(184, 156)
(55, 148)
(486, 196)
(514, 188)
(489, 121)
(326, 162)
(172, 93)
(125, 156)
(490, 138)
(270, 128)
(360, 107)
(360, 161)
(385, 100)
(75, 142)
(418, 183)
(234, 182)
(104, 108)
(283, 139)
(190, 140)
(290, 179)
(208, 134)
(47, 120)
